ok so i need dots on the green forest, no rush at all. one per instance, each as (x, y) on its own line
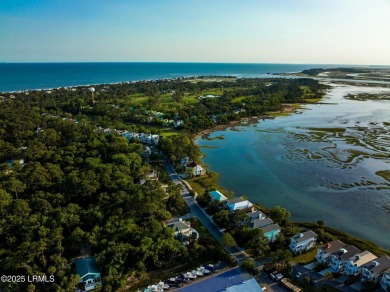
(68, 188)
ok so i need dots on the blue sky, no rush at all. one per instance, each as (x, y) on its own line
(259, 31)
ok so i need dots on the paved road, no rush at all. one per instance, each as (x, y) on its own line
(191, 203)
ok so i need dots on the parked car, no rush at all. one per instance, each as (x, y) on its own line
(279, 277)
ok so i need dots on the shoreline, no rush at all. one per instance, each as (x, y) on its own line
(255, 119)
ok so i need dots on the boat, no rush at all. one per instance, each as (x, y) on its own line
(163, 286)
(172, 282)
(197, 273)
(211, 268)
(190, 276)
(155, 288)
(183, 278)
(204, 270)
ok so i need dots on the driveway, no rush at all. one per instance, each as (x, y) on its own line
(192, 204)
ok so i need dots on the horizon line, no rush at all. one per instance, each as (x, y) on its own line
(188, 62)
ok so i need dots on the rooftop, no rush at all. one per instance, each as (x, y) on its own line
(181, 225)
(378, 265)
(270, 227)
(304, 236)
(332, 247)
(85, 266)
(250, 285)
(347, 252)
(255, 215)
(236, 200)
(261, 223)
(217, 195)
(362, 258)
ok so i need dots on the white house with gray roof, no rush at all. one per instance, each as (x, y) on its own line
(373, 271)
(354, 264)
(238, 204)
(183, 230)
(303, 241)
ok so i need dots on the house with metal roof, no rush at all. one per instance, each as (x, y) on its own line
(271, 231)
(325, 252)
(302, 241)
(261, 223)
(373, 271)
(238, 204)
(183, 231)
(339, 260)
(385, 280)
(354, 264)
(255, 215)
(217, 196)
(89, 273)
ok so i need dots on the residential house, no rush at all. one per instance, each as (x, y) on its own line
(217, 196)
(144, 138)
(271, 231)
(385, 280)
(339, 260)
(260, 223)
(194, 169)
(255, 215)
(372, 271)
(183, 230)
(354, 264)
(325, 252)
(89, 274)
(238, 204)
(303, 241)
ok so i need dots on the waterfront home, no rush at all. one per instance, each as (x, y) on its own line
(255, 215)
(217, 196)
(194, 169)
(354, 264)
(325, 252)
(385, 280)
(191, 167)
(271, 231)
(338, 260)
(303, 241)
(372, 271)
(260, 223)
(89, 274)
(238, 204)
(183, 231)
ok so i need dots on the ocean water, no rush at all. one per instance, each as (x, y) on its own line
(25, 76)
(320, 164)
